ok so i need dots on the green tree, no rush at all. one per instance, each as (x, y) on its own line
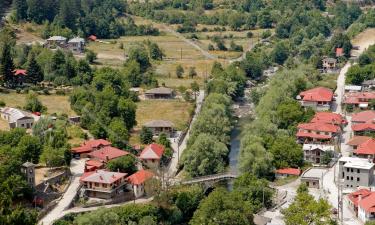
(146, 135)
(20, 7)
(195, 88)
(34, 72)
(306, 210)
(91, 56)
(33, 104)
(29, 149)
(205, 156)
(286, 152)
(7, 65)
(289, 113)
(139, 55)
(156, 53)
(223, 207)
(192, 72)
(124, 164)
(118, 134)
(179, 71)
(280, 53)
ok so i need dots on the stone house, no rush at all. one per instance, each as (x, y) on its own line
(160, 126)
(318, 98)
(137, 182)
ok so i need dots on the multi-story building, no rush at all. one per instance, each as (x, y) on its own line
(317, 133)
(356, 172)
(314, 152)
(103, 184)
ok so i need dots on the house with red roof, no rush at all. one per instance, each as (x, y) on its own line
(317, 133)
(355, 197)
(137, 182)
(89, 146)
(367, 116)
(358, 99)
(363, 129)
(106, 154)
(318, 98)
(329, 118)
(356, 141)
(339, 52)
(103, 184)
(286, 172)
(366, 208)
(92, 165)
(92, 38)
(151, 155)
(366, 149)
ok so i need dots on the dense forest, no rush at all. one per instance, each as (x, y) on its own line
(105, 19)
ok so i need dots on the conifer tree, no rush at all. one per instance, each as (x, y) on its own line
(34, 72)
(7, 66)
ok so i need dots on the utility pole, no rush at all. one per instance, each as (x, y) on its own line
(181, 53)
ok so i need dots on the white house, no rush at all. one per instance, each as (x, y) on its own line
(18, 118)
(76, 44)
(138, 180)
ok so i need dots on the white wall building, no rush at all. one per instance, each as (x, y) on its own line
(18, 118)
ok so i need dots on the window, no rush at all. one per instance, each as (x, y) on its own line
(351, 178)
(96, 184)
(358, 171)
(351, 170)
(347, 177)
(314, 183)
(347, 169)
(343, 175)
(358, 179)
(104, 185)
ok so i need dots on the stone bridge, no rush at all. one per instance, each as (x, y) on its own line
(210, 178)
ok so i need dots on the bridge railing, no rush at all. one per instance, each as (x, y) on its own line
(210, 177)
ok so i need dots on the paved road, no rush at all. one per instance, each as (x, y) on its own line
(77, 168)
(172, 169)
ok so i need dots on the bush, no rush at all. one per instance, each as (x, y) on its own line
(2, 103)
(46, 91)
(249, 34)
(266, 34)
(60, 92)
(211, 47)
(18, 90)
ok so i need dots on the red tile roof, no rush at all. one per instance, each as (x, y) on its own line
(354, 196)
(97, 143)
(357, 140)
(312, 135)
(90, 145)
(81, 149)
(339, 52)
(108, 153)
(94, 163)
(101, 176)
(368, 203)
(140, 177)
(363, 127)
(20, 72)
(317, 94)
(366, 148)
(92, 37)
(322, 127)
(358, 97)
(152, 151)
(289, 171)
(363, 117)
(328, 117)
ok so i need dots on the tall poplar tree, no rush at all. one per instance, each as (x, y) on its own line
(34, 72)
(7, 66)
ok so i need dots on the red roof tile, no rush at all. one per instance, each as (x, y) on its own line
(357, 140)
(289, 171)
(366, 148)
(317, 94)
(107, 153)
(354, 196)
(20, 72)
(94, 163)
(368, 203)
(358, 97)
(152, 151)
(140, 177)
(328, 117)
(339, 52)
(97, 143)
(364, 116)
(321, 127)
(312, 135)
(363, 127)
(81, 149)
(92, 37)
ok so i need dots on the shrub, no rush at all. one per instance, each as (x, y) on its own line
(2, 103)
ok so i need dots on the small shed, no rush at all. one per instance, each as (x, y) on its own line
(313, 177)
(353, 88)
(329, 63)
(159, 93)
(56, 41)
(74, 119)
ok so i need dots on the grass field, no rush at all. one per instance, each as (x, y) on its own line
(75, 135)
(176, 111)
(55, 103)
